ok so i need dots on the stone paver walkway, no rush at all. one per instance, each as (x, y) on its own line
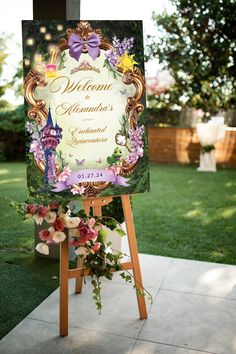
(194, 311)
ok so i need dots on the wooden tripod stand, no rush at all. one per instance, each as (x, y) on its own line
(79, 272)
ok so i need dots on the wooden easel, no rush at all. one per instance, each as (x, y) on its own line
(80, 272)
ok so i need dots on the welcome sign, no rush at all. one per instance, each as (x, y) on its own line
(84, 91)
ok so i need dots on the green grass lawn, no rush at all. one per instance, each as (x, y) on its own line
(187, 214)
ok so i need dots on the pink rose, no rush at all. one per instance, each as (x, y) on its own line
(92, 234)
(96, 246)
(84, 230)
(91, 222)
(84, 234)
(45, 235)
(42, 211)
(74, 243)
(81, 223)
(59, 224)
(31, 209)
(53, 205)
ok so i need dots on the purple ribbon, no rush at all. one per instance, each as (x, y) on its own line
(93, 175)
(76, 44)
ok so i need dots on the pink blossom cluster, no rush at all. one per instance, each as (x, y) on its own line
(137, 144)
(113, 170)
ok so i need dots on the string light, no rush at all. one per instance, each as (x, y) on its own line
(51, 48)
(27, 62)
(48, 36)
(42, 29)
(38, 58)
(30, 41)
(59, 27)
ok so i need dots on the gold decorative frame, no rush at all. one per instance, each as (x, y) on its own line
(37, 107)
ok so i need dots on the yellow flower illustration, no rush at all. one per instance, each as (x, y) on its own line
(127, 62)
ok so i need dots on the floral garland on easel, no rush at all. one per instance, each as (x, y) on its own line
(87, 234)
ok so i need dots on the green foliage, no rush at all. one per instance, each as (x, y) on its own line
(17, 81)
(3, 58)
(197, 44)
(124, 123)
(207, 148)
(13, 120)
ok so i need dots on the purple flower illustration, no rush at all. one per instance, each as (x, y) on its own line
(137, 144)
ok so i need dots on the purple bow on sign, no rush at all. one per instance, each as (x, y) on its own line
(76, 44)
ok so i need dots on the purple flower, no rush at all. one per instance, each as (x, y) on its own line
(111, 56)
(37, 149)
(124, 46)
(119, 49)
(136, 142)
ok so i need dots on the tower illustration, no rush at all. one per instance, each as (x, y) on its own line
(50, 137)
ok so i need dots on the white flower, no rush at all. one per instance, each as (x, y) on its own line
(42, 248)
(74, 232)
(81, 251)
(120, 139)
(108, 250)
(38, 219)
(50, 217)
(72, 222)
(58, 236)
(62, 214)
(77, 190)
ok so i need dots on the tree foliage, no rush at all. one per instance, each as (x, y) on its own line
(3, 58)
(197, 43)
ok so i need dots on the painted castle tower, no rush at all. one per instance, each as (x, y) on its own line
(50, 137)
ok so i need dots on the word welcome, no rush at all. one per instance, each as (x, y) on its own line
(64, 84)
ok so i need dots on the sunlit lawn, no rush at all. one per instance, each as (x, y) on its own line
(187, 214)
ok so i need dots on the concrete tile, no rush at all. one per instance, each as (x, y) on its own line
(192, 321)
(202, 278)
(38, 337)
(142, 347)
(119, 314)
(153, 269)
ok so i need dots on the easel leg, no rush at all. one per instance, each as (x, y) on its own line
(134, 254)
(64, 267)
(79, 279)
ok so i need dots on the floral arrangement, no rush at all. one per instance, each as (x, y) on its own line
(207, 148)
(119, 57)
(87, 234)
